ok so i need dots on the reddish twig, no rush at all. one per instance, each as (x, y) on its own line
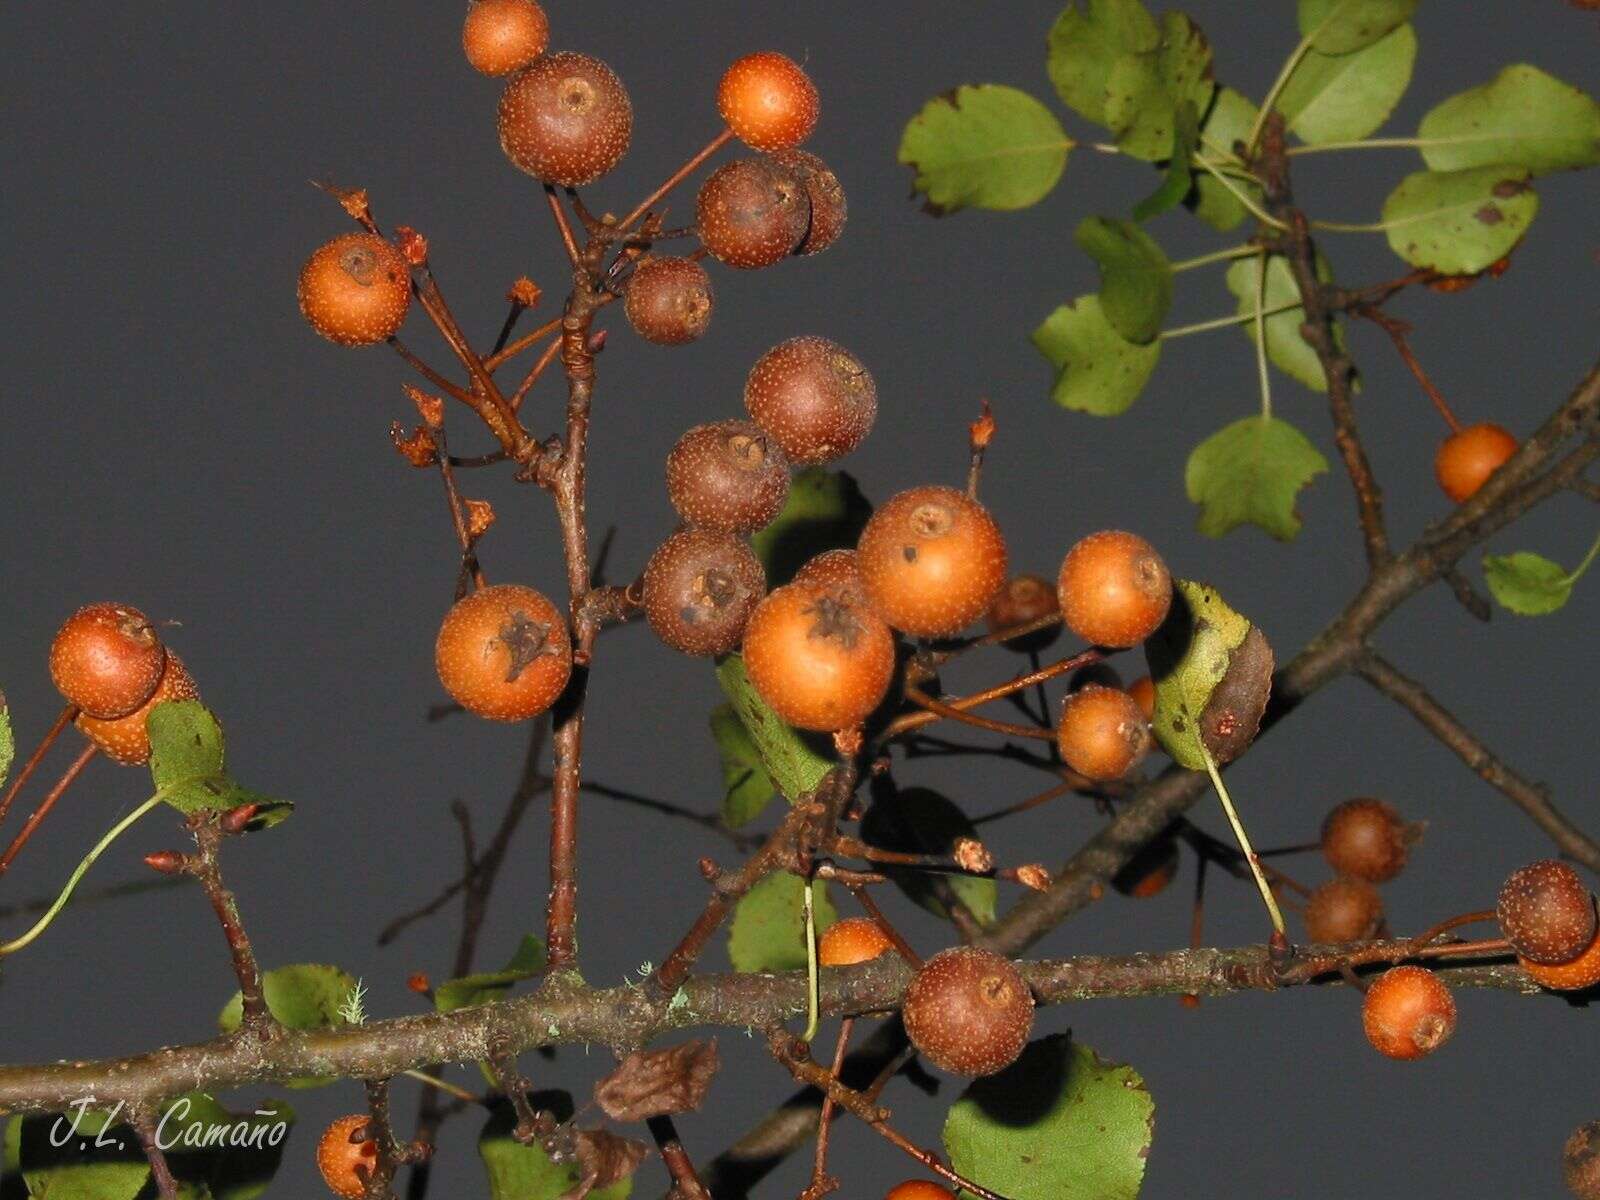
(36, 818)
(25, 772)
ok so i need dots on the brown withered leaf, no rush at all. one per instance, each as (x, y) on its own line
(418, 448)
(480, 515)
(650, 1083)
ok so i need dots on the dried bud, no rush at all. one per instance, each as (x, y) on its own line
(971, 855)
(412, 245)
(524, 292)
(1034, 875)
(418, 449)
(430, 407)
(237, 820)
(419, 983)
(597, 341)
(848, 742)
(480, 515)
(167, 862)
(981, 431)
(352, 200)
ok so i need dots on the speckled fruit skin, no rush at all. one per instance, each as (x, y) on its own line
(728, 476)
(829, 208)
(1580, 1162)
(700, 588)
(1366, 838)
(752, 213)
(931, 559)
(968, 1011)
(1466, 460)
(504, 653)
(1114, 589)
(499, 36)
(919, 1189)
(831, 568)
(1102, 734)
(107, 659)
(819, 656)
(1582, 972)
(669, 300)
(1143, 691)
(1025, 598)
(565, 119)
(768, 101)
(125, 739)
(814, 397)
(1407, 1013)
(1149, 872)
(338, 1157)
(1343, 910)
(850, 941)
(1546, 912)
(355, 290)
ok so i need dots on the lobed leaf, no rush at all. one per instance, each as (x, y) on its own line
(986, 146)
(1097, 369)
(768, 928)
(1145, 90)
(1250, 472)
(1086, 39)
(1135, 276)
(1529, 585)
(1345, 26)
(1459, 222)
(1523, 116)
(1344, 97)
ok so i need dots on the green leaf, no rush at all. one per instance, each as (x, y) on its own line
(768, 932)
(187, 764)
(920, 821)
(1213, 674)
(1287, 350)
(1086, 39)
(518, 1172)
(1097, 369)
(1135, 277)
(1249, 473)
(1178, 179)
(1521, 116)
(8, 745)
(1340, 98)
(487, 986)
(95, 1163)
(220, 1154)
(1145, 90)
(825, 511)
(1231, 117)
(300, 996)
(1343, 26)
(1459, 222)
(1058, 1124)
(1529, 585)
(747, 786)
(792, 765)
(988, 146)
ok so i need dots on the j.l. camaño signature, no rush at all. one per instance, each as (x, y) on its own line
(175, 1130)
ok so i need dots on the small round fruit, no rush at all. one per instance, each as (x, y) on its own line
(1580, 1161)
(499, 36)
(768, 101)
(355, 290)
(853, 940)
(814, 397)
(503, 652)
(1113, 588)
(1467, 459)
(1582, 972)
(968, 1011)
(126, 739)
(932, 559)
(565, 119)
(752, 213)
(919, 1189)
(1103, 733)
(699, 590)
(1023, 600)
(829, 210)
(1407, 1013)
(669, 300)
(1546, 912)
(1367, 839)
(831, 568)
(727, 476)
(1343, 910)
(1143, 691)
(1149, 872)
(107, 659)
(819, 655)
(343, 1162)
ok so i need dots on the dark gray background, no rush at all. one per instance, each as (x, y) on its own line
(175, 437)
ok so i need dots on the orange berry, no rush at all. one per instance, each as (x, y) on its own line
(1547, 912)
(1407, 1013)
(565, 119)
(919, 1189)
(499, 36)
(1366, 838)
(1343, 910)
(699, 590)
(107, 659)
(768, 101)
(1143, 691)
(814, 397)
(752, 213)
(355, 290)
(126, 739)
(932, 559)
(819, 655)
(1582, 972)
(1103, 733)
(338, 1157)
(1467, 459)
(829, 210)
(968, 1011)
(850, 941)
(1113, 588)
(829, 569)
(503, 652)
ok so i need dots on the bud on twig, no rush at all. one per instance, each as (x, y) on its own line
(1035, 876)
(412, 245)
(480, 515)
(524, 292)
(167, 862)
(237, 820)
(972, 855)
(352, 200)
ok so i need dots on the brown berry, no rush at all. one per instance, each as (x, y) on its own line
(919, 1189)
(1343, 910)
(355, 290)
(344, 1163)
(727, 476)
(1466, 459)
(1149, 872)
(1546, 912)
(499, 36)
(829, 569)
(503, 652)
(669, 300)
(1113, 588)
(1103, 734)
(814, 397)
(932, 559)
(1023, 600)
(752, 213)
(107, 659)
(565, 119)
(768, 101)
(968, 1011)
(1367, 839)
(1582, 972)
(829, 210)
(1143, 691)
(699, 590)
(1407, 1013)
(853, 940)
(127, 739)
(1580, 1162)
(818, 655)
